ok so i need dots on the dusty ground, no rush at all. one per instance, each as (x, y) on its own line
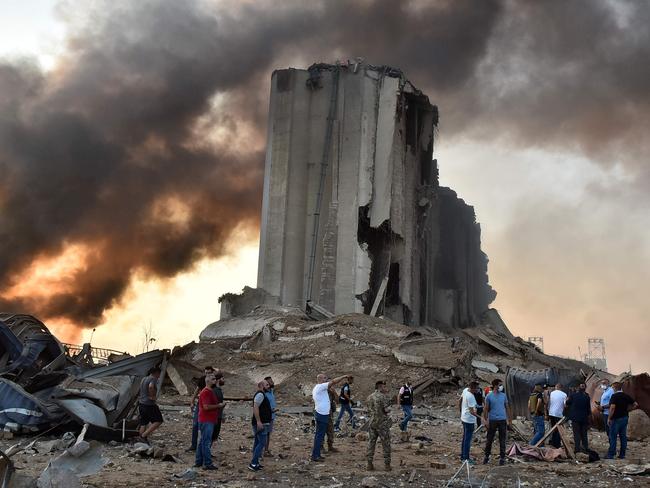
(434, 462)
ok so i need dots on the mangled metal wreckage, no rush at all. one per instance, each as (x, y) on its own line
(44, 384)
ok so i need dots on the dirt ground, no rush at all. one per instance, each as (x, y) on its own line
(434, 462)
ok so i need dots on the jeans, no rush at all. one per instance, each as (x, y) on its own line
(606, 419)
(618, 429)
(580, 440)
(493, 426)
(259, 444)
(556, 441)
(203, 454)
(195, 426)
(468, 432)
(538, 426)
(345, 407)
(408, 415)
(319, 436)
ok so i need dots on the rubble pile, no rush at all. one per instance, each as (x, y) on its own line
(293, 348)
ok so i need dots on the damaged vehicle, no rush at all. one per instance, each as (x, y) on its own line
(46, 384)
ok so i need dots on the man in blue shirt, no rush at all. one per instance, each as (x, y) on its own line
(270, 394)
(497, 416)
(604, 402)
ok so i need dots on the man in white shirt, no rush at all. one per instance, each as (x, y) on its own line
(322, 411)
(556, 403)
(468, 417)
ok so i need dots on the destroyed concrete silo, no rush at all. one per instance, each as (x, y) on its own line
(353, 218)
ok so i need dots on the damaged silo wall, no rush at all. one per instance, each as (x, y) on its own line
(353, 218)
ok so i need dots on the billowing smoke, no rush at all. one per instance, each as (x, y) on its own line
(144, 145)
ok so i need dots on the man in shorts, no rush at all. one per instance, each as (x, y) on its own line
(150, 416)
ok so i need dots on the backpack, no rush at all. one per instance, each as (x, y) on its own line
(532, 403)
(593, 456)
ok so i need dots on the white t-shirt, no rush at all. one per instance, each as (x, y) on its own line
(556, 403)
(469, 401)
(321, 398)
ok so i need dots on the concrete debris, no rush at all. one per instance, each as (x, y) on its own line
(638, 427)
(187, 475)
(370, 482)
(633, 469)
(58, 478)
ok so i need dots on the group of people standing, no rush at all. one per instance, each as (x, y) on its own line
(577, 407)
(493, 411)
(477, 408)
(378, 405)
(545, 403)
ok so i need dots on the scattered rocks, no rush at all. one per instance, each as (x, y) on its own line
(188, 475)
(369, 482)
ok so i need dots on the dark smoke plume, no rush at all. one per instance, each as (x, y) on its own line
(145, 142)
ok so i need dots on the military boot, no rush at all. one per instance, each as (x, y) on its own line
(370, 466)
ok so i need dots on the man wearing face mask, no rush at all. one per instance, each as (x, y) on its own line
(497, 416)
(579, 405)
(604, 402)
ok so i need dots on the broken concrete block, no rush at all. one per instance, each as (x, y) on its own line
(638, 427)
(369, 482)
(58, 478)
(361, 436)
(79, 449)
(188, 475)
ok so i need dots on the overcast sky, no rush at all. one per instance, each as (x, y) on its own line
(544, 121)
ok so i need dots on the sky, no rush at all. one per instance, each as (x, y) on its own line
(132, 139)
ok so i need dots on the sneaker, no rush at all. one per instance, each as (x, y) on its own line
(254, 467)
(387, 467)
(190, 449)
(198, 465)
(210, 468)
(332, 449)
(502, 462)
(319, 459)
(370, 467)
(486, 460)
(471, 462)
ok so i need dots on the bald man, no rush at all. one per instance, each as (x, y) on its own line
(322, 411)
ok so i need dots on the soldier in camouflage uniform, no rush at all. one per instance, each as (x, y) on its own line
(380, 422)
(330, 425)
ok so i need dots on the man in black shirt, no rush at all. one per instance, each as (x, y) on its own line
(220, 401)
(345, 400)
(619, 406)
(579, 405)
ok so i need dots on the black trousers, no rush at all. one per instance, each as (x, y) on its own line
(580, 435)
(556, 441)
(493, 426)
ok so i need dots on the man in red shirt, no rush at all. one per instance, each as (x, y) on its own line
(208, 414)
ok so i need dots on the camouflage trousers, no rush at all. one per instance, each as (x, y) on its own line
(330, 431)
(384, 434)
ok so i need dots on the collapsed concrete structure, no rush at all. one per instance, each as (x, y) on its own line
(353, 217)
